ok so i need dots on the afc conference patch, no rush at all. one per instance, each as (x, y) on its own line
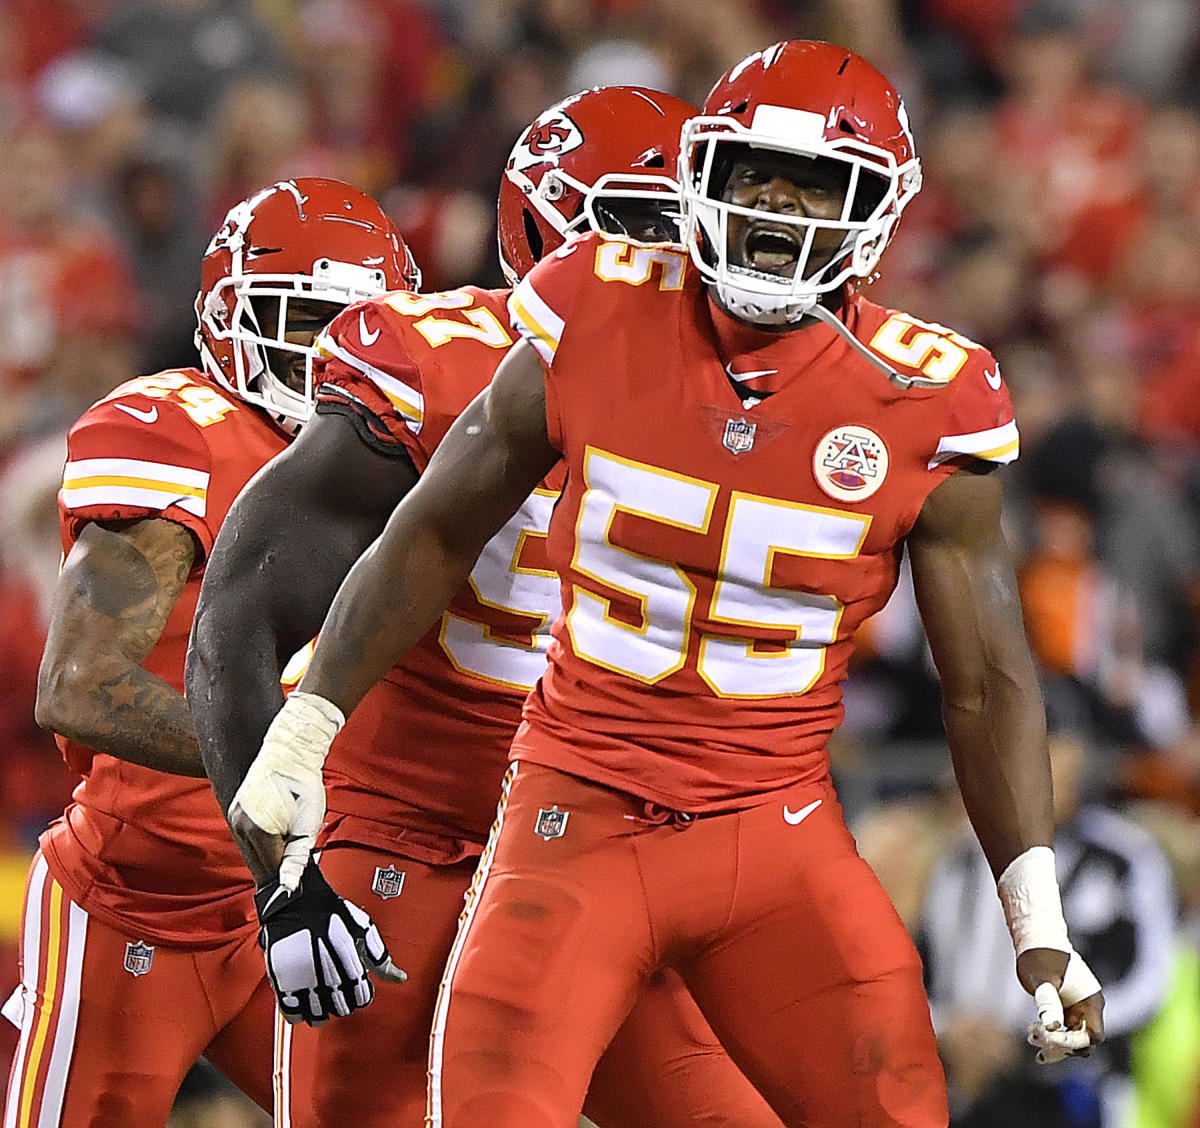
(739, 436)
(389, 882)
(138, 958)
(551, 823)
(850, 463)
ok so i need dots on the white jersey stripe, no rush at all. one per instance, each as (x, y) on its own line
(143, 496)
(407, 400)
(63, 1040)
(997, 444)
(31, 943)
(535, 320)
(437, 1037)
(165, 472)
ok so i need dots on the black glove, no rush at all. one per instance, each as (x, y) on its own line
(319, 949)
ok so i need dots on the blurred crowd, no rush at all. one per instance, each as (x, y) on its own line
(1059, 225)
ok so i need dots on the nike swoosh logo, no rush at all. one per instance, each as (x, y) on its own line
(993, 379)
(145, 416)
(368, 339)
(280, 892)
(795, 818)
(750, 375)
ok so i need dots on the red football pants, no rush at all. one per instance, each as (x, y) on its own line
(664, 1069)
(102, 1047)
(783, 934)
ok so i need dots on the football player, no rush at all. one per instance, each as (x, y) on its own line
(412, 783)
(750, 443)
(139, 942)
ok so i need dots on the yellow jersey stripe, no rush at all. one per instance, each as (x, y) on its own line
(408, 401)
(173, 488)
(531, 323)
(133, 468)
(995, 444)
(407, 409)
(997, 454)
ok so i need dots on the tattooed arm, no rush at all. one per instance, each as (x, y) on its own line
(117, 589)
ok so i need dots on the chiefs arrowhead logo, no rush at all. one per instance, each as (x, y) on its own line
(547, 138)
(552, 135)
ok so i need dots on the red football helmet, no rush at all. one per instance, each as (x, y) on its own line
(605, 159)
(310, 238)
(812, 100)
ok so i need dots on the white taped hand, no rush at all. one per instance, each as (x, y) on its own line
(1050, 1034)
(284, 792)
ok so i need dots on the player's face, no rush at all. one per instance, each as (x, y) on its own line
(306, 317)
(644, 220)
(788, 185)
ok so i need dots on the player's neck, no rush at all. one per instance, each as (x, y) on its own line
(736, 337)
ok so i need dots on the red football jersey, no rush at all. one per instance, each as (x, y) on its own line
(422, 758)
(147, 852)
(714, 568)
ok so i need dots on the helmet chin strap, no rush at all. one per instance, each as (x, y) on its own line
(769, 310)
(789, 309)
(898, 379)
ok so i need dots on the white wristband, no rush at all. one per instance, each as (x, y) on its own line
(1028, 891)
(304, 729)
(288, 766)
(1079, 982)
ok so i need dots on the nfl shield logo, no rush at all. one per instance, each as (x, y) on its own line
(389, 882)
(138, 958)
(551, 823)
(739, 436)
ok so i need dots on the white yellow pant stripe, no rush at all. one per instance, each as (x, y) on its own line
(49, 1029)
(283, 1077)
(438, 1034)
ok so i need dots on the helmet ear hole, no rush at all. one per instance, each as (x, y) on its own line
(532, 235)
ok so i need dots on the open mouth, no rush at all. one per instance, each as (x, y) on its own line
(773, 250)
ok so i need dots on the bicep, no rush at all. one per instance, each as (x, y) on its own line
(117, 589)
(294, 531)
(498, 450)
(337, 468)
(966, 584)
